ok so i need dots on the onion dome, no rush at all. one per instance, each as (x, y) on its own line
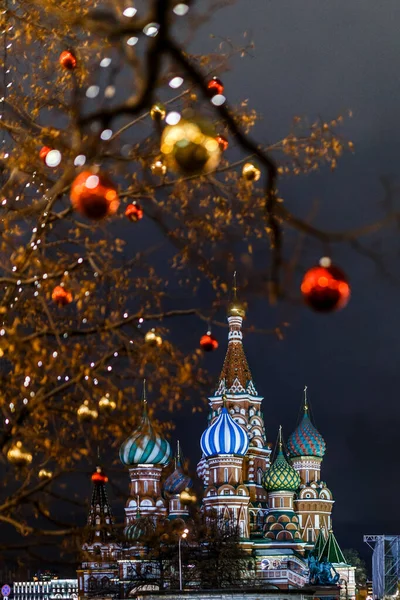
(224, 436)
(145, 446)
(201, 468)
(306, 440)
(142, 528)
(281, 476)
(178, 480)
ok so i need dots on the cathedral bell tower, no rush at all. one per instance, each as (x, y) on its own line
(224, 444)
(314, 501)
(243, 404)
(99, 566)
(145, 452)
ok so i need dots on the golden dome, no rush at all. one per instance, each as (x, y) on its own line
(236, 309)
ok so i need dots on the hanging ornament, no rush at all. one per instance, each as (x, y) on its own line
(94, 195)
(208, 342)
(67, 60)
(107, 405)
(18, 455)
(325, 287)
(44, 152)
(158, 111)
(44, 474)
(158, 168)
(134, 212)
(190, 146)
(152, 338)
(222, 142)
(215, 86)
(85, 413)
(99, 476)
(251, 172)
(61, 296)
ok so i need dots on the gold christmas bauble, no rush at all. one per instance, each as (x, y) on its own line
(152, 338)
(158, 111)
(18, 455)
(251, 172)
(190, 147)
(85, 413)
(44, 474)
(106, 404)
(158, 168)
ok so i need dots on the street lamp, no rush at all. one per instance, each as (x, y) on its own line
(182, 536)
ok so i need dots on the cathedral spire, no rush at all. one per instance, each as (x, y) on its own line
(100, 519)
(305, 400)
(235, 376)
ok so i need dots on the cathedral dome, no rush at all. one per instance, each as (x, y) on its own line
(140, 529)
(144, 446)
(224, 436)
(178, 481)
(306, 440)
(281, 477)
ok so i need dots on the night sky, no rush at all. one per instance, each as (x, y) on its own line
(318, 58)
(313, 59)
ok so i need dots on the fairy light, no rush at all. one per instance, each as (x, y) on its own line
(218, 99)
(129, 12)
(176, 83)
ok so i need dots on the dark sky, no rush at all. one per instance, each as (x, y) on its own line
(313, 59)
(318, 58)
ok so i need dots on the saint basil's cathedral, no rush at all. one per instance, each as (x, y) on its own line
(281, 507)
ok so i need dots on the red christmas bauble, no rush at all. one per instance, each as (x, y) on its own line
(134, 212)
(208, 342)
(61, 296)
(325, 289)
(44, 152)
(99, 475)
(94, 195)
(67, 60)
(222, 142)
(215, 86)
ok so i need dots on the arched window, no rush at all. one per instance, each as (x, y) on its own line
(226, 475)
(146, 485)
(307, 476)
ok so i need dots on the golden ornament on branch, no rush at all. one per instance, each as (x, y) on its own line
(158, 168)
(106, 404)
(158, 111)
(152, 338)
(44, 474)
(190, 146)
(18, 455)
(251, 172)
(85, 413)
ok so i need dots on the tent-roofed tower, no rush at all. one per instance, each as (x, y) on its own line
(314, 501)
(145, 452)
(331, 552)
(99, 566)
(243, 403)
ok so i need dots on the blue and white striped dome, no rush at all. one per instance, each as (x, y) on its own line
(145, 446)
(224, 436)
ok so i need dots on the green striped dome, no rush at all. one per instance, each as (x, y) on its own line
(144, 446)
(141, 529)
(281, 476)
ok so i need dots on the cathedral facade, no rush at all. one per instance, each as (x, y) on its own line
(280, 505)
